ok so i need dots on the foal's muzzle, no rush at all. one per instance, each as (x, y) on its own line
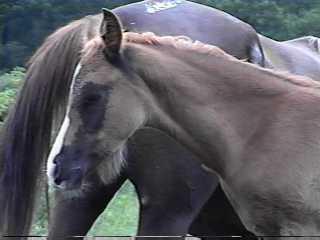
(66, 179)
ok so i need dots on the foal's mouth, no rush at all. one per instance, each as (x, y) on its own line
(62, 179)
(71, 192)
(72, 189)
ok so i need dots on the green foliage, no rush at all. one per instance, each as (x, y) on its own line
(307, 23)
(121, 216)
(12, 80)
(266, 16)
(24, 24)
(9, 85)
(6, 100)
(40, 226)
(279, 19)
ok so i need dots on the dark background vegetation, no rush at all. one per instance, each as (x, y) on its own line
(24, 24)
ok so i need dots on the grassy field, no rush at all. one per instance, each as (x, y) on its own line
(119, 219)
(121, 216)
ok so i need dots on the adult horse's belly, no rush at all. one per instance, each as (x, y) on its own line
(170, 182)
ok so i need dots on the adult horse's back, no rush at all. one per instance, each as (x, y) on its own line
(196, 21)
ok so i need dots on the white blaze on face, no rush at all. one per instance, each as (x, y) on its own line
(58, 143)
(56, 148)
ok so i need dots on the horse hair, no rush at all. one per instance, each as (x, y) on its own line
(27, 133)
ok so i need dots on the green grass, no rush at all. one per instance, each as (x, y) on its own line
(121, 216)
(119, 219)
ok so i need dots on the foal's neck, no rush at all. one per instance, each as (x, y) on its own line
(211, 104)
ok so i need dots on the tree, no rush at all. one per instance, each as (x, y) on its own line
(9, 85)
(25, 23)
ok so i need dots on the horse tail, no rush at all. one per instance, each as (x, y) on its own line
(26, 135)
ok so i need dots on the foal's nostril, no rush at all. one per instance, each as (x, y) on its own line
(57, 181)
(57, 173)
(71, 179)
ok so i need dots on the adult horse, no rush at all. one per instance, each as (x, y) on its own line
(298, 56)
(309, 42)
(258, 129)
(27, 134)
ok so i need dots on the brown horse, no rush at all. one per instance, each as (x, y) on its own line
(187, 183)
(253, 126)
(27, 133)
(216, 217)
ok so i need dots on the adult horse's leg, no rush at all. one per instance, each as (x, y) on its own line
(171, 185)
(75, 216)
(218, 218)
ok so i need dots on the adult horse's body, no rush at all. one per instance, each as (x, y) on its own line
(259, 130)
(298, 56)
(28, 129)
(196, 21)
(309, 42)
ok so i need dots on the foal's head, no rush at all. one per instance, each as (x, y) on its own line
(115, 91)
(105, 109)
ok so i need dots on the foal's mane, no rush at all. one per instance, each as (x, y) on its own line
(26, 134)
(184, 43)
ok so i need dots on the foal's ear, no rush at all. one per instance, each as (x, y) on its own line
(111, 33)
